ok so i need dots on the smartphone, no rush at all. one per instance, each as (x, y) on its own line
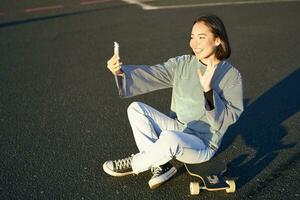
(116, 49)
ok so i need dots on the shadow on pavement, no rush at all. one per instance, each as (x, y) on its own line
(260, 128)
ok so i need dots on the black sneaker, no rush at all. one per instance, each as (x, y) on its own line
(118, 167)
(161, 174)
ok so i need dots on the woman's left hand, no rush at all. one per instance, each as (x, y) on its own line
(206, 77)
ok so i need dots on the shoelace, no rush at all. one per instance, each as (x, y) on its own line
(156, 170)
(123, 163)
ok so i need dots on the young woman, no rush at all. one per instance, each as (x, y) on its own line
(206, 98)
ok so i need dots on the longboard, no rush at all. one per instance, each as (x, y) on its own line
(210, 176)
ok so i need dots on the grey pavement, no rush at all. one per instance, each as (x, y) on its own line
(61, 117)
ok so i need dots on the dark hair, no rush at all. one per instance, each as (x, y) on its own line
(217, 27)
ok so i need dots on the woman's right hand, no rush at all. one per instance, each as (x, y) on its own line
(114, 65)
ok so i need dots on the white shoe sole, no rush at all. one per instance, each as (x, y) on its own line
(112, 173)
(156, 182)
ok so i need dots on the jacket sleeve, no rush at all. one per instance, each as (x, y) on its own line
(228, 105)
(141, 79)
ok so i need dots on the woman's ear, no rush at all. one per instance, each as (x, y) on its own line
(217, 41)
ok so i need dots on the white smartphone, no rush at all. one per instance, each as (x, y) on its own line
(116, 49)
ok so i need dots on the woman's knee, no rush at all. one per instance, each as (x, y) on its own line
(134, 107)
(138, 108)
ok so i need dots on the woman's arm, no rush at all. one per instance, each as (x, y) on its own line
(228, 106)
(141, 79)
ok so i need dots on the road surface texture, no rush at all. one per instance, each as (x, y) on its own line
(61, 117)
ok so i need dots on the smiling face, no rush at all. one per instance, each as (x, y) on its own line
(203, 42)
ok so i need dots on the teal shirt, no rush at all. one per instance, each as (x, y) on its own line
(188, 103)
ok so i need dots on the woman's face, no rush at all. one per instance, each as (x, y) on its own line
(203, 42)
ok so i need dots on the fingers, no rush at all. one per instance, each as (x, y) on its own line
(115, 68)
(113, 60)
(114, 64)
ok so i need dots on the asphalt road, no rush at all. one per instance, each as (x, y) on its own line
(61, 117)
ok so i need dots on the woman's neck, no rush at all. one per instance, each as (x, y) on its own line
(207, 61)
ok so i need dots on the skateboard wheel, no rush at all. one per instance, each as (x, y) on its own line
(231, 188)
(194, 188)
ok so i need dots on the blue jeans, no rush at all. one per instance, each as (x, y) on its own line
(160, 138)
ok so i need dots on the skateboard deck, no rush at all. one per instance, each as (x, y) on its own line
(210, 175)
